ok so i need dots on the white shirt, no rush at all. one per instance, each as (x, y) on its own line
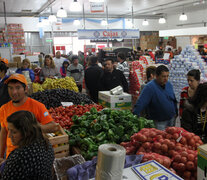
(58, 62)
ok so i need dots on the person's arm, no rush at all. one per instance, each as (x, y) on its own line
(18, 71)
(3, 137)
(32, 75)
(50, 127)
(143, 101)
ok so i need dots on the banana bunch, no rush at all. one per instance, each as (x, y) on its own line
(62, 83)
(37, 87)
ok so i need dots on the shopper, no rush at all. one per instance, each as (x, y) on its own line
(17, 88)
(63, 69)
(4, 95)
(195, 113)
(26, 67)
(81, 58)
(151, 54)
(33, 158)
(4, 60)
(76, 71)
(123, 65)
(113, 77)
(93, 75)
(159, 100)
(49, 70)
(193, 77)
(150, 75)
(58, 60)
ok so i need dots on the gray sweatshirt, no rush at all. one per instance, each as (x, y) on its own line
(77, 72)
(46, 72)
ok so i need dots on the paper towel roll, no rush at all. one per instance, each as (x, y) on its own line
(111, 158)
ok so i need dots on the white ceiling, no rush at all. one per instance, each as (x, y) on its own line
(116, 8)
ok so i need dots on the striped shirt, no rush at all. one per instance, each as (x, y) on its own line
(125, 69)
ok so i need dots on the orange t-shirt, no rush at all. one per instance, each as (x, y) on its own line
(37, 108)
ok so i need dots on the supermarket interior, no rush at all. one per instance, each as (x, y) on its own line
(103, 89)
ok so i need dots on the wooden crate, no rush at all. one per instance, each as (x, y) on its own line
(57, 142)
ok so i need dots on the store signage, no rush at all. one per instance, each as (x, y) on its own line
(108, 34)
(97, 7)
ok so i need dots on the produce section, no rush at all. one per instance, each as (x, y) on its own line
(178, 147)
(107, 126)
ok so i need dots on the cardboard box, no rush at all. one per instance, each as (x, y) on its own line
(123, 101)
(202, 162)
(12, 65)
(17, 59)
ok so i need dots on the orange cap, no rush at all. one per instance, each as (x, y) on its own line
(5, 60)
(18, 77)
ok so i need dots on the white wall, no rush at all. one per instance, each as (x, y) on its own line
(183, 41)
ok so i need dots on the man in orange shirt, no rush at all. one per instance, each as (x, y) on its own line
(17, 88)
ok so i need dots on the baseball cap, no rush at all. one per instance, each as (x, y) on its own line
(5, 60)
(18, 77)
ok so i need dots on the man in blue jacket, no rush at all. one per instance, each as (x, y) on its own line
(159, 100)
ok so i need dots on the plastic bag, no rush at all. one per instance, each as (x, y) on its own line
(61, 165)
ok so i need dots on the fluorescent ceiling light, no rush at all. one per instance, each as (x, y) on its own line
(183, 17)
(52, 18)
(62, 13)
(145, 23)
(76, 22)
(162, 20)
(104, 23)
(75, 6)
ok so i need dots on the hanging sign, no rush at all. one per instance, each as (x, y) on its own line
(108, 34)
(97, 7)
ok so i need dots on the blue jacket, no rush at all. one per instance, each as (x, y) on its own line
(31, 73)
(160, 103)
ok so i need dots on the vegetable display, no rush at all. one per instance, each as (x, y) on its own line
(63, 115)
(62, 83)
(107, 126)
(175, 143)
(54, 97)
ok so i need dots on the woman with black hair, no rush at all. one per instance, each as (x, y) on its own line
(33, 158)
(63, 68)
(194, 115)
(193, 78)
(3, 87)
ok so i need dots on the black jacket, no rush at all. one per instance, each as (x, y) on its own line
(4, 95)
(114, 79)
(93, 75)
(191, 122)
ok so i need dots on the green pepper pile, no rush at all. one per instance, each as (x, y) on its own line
(107, 126)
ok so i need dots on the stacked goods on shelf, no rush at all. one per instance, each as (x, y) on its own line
(107, 126)
(63, 115)
(63, 83)
(175, 143)
(189, 59)
(16, 37)
(54, 97)
(137, 75)
(149, 40)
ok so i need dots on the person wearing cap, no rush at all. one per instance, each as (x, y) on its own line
(26, 67)
(3, 87)
(76, 71)
(17, 88)
(49, 70)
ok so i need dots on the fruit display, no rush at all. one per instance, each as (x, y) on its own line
(54, 97)
(62, 83)
(175, 143)
(107, 126)
(63, 115)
